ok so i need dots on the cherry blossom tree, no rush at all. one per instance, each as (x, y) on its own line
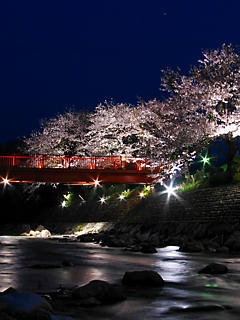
(174, 133)
(209, 95)
(63, 135)
(117, 129)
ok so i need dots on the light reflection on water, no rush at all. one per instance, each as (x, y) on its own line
(184, 286)
(172, 264)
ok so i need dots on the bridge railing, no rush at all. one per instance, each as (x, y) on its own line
(75, 162)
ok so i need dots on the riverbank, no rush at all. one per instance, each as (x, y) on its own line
(200, 220)
(190, 236)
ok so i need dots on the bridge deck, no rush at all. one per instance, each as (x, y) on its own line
(74, 170)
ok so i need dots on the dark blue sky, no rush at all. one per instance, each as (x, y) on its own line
(56, 54)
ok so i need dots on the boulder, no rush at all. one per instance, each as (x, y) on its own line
(25, 305)
(8, 291)
(32, 233)
(114, 241)
(86, 238)
(214, 268)
(147, 278)
(100, 290)
(148, 248)
(45, 234)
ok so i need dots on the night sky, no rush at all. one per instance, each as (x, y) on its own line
(59, 54)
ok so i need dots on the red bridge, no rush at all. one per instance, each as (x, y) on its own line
(75, 170)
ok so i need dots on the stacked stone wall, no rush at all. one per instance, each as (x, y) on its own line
(209, 204)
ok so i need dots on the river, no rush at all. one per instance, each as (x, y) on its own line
(184, 287)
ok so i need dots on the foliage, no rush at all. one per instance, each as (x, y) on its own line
(67, 199)
(79, 227)
(188, 186)
(194, 181)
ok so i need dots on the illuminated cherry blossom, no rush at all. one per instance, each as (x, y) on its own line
(63, 135)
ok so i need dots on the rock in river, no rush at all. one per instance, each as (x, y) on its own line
(147, 278)
(101, 290)
(24, 305)
(214, 268)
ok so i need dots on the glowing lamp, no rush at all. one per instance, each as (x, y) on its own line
(121, 197)
(205, 160)
(5, 181)
(102, 200)
(63, 204)
(170, 190)
(96, 183)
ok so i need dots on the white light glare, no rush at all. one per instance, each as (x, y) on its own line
(102, 200)
(121, 197)
(96, 183)
(141, 195)
(170, 189)
(5, 181)
(63, 204)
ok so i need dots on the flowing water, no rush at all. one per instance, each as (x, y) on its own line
(186, 294)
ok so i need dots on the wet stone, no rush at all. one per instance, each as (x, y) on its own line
(214, 268)
(148, 248)
(146, 278)
(101, 290)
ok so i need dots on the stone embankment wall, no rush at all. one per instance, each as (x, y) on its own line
(209, 204)
(211, 208)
